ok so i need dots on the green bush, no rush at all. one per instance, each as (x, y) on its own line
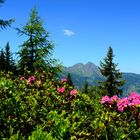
(32, 109)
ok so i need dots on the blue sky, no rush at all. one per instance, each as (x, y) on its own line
(82, 30)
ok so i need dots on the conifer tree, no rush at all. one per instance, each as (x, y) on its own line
(9, 61)
(5, 23)
(69, 80)
(7, 56)
(85, 88)
(2, 60)
(113, 77)
(36, 50)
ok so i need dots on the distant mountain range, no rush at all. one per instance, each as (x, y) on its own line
(90, 73)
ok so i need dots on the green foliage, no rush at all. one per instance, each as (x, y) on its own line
(32, 108)
(39, 134)
(113, 82)
(5, 23)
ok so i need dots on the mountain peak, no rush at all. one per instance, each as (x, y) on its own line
(78, 65)
(84, 65)
(90, 63)
(89, 69)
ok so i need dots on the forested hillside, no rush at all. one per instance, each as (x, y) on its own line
(90, 73)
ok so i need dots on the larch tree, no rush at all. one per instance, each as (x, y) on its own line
(112, 85)
(36, 50)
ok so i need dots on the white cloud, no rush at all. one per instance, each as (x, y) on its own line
(68, 32)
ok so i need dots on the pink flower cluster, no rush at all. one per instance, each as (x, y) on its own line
(134, 99)
(73, 92)
(63, 80)
(107, 100)
(31, 80)
(61, 89)
(122, 104)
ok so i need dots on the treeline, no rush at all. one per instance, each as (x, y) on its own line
(35, 52)
(7, 63)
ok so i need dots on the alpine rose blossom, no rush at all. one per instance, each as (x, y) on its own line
(134, 99)
(22, 78)
(73, 92)
(114, 98)
(64, 80)
(135, 102)
(61, 89)
(134, 96)
(105, 99)
(122, 104)
(121, 108)
(31, 80)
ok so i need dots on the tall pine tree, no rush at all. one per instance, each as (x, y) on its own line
(36, 50)
(113, 77)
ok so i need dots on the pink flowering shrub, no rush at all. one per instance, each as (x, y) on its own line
(61, 89)
(106, 99)
(133, 100)
(32, 80)
(64, 87)
(122, 104)
(73, 92)
(114, 98)
(27, 107)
